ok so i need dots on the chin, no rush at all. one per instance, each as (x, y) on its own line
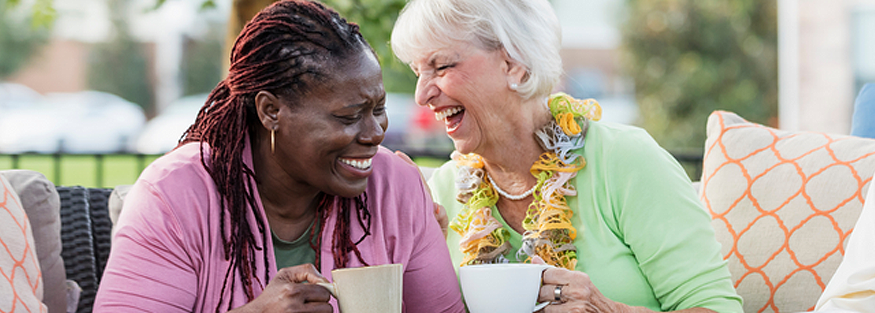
(461, 147)
(352, 190)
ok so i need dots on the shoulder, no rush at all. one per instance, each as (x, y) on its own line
(618, 137)
(177, 179)
(612, 145)
(182, 163)
(390, 169)
(443, 181)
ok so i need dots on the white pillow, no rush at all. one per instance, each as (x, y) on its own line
(21, 284)
(782, 205)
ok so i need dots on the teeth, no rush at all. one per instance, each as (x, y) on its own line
(365, 164)
(448, 112)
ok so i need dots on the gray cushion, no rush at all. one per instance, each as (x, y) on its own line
(116, 200)
(42, 205)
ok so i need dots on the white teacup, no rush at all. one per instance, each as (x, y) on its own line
(369, 289)
(505, 288)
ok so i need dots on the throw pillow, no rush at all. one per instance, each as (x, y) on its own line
(21, 287)
(783, 205)
(42, 205)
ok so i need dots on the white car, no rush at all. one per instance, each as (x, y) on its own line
(80, 122)
(162, 133)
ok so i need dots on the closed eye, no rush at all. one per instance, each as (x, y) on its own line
(444, 67)
(348, 119)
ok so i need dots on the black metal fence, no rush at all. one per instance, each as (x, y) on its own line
(57, 165)
(127, 167)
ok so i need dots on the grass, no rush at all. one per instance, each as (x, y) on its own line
(87, 171)
(107, 171)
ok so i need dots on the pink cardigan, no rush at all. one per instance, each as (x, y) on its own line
(167, 255)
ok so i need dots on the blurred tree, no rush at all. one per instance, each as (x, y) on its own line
(375, 17)
(202, 62)
(689, 58)
(20, 37)
(119, 65)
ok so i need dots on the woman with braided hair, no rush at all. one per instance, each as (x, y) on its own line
(280, 177)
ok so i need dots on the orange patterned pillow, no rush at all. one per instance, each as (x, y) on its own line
(21, 288)
(782, 205)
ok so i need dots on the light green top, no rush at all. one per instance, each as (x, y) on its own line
(297, 252)
(643, 236)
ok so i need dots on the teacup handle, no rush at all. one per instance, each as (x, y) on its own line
(331, 288)
(544, 304)
(540, 306)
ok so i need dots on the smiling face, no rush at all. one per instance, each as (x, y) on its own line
(467, 88)
(326, 138)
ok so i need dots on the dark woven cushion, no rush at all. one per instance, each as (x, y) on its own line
(77, 243)
(85, 236)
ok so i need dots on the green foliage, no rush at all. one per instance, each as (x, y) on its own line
(119, 66)
(376, 19)
(689, 58)
(19, 39)
(43, 13)
(202, 63)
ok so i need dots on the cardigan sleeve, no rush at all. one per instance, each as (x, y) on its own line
(149, 268)
(660, 218)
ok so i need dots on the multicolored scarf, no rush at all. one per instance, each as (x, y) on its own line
(549, 234)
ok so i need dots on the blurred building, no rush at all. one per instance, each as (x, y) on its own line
(590, 53)
(162, 34)
(826, 54)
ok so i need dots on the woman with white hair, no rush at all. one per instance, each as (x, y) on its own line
(535, 177)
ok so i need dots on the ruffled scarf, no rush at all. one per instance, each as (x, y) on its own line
(549, 234)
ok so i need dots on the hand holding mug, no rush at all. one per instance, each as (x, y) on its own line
(573, 291)
(287, 292)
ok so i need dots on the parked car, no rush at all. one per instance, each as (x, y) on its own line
(162, 133)
(14, 96)
(79, 122)
(413, 129)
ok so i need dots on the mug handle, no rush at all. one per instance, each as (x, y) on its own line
(540, 306)
(544, 304)
(331, 288)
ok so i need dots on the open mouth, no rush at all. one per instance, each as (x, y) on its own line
(362, 164)
(451, 116)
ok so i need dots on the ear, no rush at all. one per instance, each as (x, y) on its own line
(267, 105)
(514, 70)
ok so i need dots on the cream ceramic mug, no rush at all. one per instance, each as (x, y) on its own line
(369, 289)
(505, 288)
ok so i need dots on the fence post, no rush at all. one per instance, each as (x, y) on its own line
(56, 162)
(98, 160)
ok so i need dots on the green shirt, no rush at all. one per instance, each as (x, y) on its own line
(297, 252)
(643, 236)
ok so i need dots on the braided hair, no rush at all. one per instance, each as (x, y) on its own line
(283, 49)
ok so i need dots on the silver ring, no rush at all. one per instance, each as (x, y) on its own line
(557, 293)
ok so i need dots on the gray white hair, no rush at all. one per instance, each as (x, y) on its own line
(527, 29)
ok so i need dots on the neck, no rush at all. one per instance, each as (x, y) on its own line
(510, 162)
(289, 210)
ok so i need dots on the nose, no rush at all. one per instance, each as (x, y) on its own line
(373, 130)
(426, 90)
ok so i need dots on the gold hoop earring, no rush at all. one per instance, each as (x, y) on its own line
(272, 141)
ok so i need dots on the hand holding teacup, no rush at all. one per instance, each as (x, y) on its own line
(287, 292)
(573, 291)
